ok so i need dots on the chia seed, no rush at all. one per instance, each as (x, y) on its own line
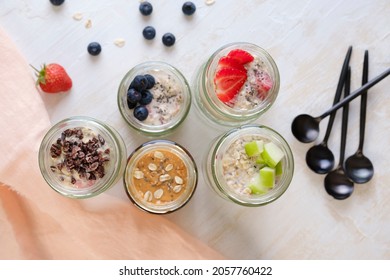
(167, 101)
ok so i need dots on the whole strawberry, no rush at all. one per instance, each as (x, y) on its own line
(52, 78)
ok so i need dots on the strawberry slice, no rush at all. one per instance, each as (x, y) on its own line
(228, 82)
(229, 62)
(263, 83)
(242, 57)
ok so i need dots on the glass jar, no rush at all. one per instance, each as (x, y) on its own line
(160, 176)
(81, 157)
(229, 171)
(171, 100)
(255, 96)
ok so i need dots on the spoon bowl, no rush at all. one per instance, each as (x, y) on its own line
(305, 128)
(320, 158)
(338, 185)
(359, 168)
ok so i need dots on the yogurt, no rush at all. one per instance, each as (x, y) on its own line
(238, 168)
(168, 99)
(252, 94)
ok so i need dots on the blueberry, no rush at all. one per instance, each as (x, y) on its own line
(149, 32)
(131, 105)
(133, 96)
(141, 113)
(94, 48)
(151, 81)
(131, 85)
(147, 97)
(57, 2)
(188, 8)
(139, 83)
(146, 8)
(168, 39)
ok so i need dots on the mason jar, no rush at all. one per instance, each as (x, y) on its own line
(160, 176)
(170, 99)
(81, 157)
(236, 85)
(230, 171)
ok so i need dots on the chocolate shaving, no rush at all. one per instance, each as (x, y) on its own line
(101, 139)
(83, 157)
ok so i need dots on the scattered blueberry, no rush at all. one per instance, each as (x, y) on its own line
(151, 81)
(57, 2)
(188, 8)
(149, 32)
(141, 113)
(131, 105)
(140, 83)
(147, 97)
(94, 48)
(168, 39)
(146, 8)
(133, 96)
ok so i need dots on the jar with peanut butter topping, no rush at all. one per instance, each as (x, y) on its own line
(160, 176)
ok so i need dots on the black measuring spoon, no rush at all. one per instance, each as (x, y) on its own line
(337, 183)
(306, 128)
(358, 167)
(320, 158)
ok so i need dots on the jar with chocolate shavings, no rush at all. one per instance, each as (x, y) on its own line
(81, 157)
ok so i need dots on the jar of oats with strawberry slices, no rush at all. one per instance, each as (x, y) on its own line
(237, 84)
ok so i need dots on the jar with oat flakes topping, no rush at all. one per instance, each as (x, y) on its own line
(160, 176)
(236, 85)
(81, 157)
(157, 105)
(251, 165)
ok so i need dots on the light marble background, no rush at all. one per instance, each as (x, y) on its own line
(308, 40)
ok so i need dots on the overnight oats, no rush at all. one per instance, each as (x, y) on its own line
(154, 98)
(160, 177)
(251, 165)
(237, 84)
(81, 157)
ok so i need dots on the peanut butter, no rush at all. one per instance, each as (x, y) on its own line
(160, 176)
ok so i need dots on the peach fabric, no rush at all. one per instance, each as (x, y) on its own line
(38, 223)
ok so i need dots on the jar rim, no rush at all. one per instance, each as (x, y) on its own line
(221, 108)
(151, 129)
(117, 156)
(225, 140)
(178, 150)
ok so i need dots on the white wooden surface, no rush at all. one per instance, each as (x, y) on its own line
(308, 40)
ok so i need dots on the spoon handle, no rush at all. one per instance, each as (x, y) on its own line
(344, 123)
(356, 93)
(363, 103)
(339, 90)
